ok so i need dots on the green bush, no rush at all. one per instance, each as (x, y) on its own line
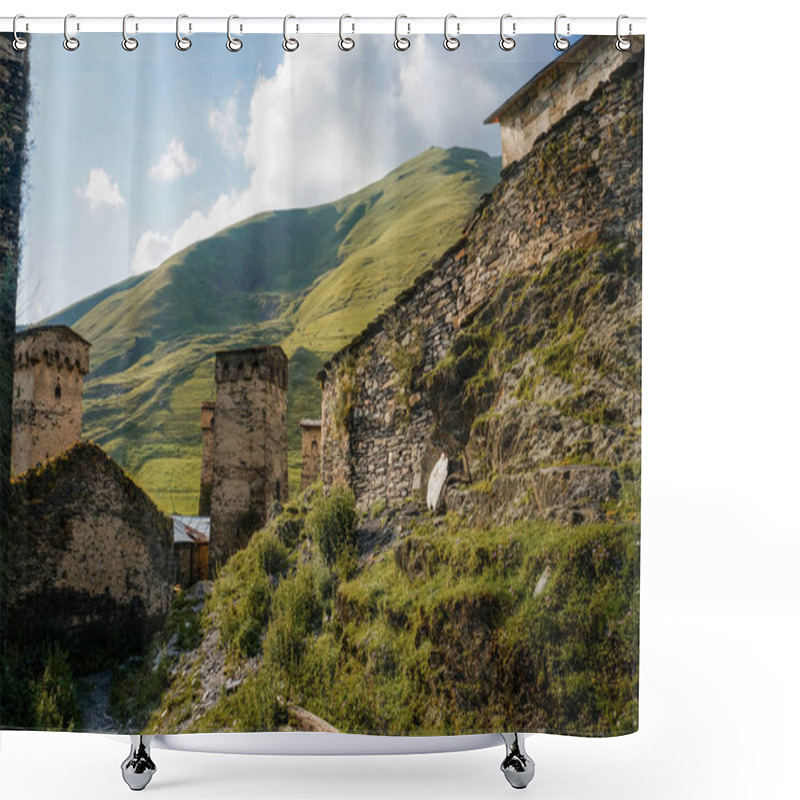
(57, 703)
(332, 525)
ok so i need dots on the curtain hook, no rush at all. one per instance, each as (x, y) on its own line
(345, 42)
(507, 42)
(622, 43)
(70, 42)
(400, 42)
(19, 42)
(451, 42)
(289, 45)
(128, 42)
(561, 43)
(182, 42)
(233, 44)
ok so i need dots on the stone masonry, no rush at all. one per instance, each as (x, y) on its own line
(90, 555)
(579, 183)
(206, 458)
(50, 364)
(250, 469)
(311, 450)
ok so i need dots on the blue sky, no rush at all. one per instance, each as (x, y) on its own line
(134, 156)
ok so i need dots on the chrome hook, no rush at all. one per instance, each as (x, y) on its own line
(561, 43)
(400, 42)
(182, 42)
(507, 42)
(70, 42)
(345, 42)
(128, 42)
(289, 44)
(451, 42)
(622, 43)
(233, 44)
(19, 43)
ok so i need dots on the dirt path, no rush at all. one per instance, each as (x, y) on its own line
(94, 697)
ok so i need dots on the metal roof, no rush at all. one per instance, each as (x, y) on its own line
(190, 530)
(310, 423)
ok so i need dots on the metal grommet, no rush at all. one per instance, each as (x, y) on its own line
(507, 42)
(560, 43)
(451, 42)
(19, 43)
(345, 42)
(400, 42)
(622, 43)
(70, 42)
(128, 42)
(233, 44)
(181, 42)
(289, 44)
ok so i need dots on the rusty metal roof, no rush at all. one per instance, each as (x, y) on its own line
(190, 530)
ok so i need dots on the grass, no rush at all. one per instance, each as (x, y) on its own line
(440, 633)
(307, 279)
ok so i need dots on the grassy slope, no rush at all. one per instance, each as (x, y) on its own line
(309, 279)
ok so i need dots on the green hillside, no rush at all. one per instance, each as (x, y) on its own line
(308, 279)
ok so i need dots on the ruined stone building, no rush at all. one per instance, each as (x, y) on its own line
(518, 354)
(250, 460)
(311, 450)
(49, 367)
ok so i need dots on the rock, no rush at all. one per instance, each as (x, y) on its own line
(542, 582)
(232, 686)
(436, 483)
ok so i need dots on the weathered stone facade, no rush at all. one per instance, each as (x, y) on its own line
(206, 458)
(578, 186)
(250, 446)
(49, 367)
(552, 93)
(311, 450)
(90, 555)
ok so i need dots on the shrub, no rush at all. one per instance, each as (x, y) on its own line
(57, 704)
(332, 524)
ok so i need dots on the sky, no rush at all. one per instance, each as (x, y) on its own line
(135, 155)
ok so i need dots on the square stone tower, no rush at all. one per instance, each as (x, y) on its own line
(206, 458)
(50, 363)
(250, 462)
(311, 449)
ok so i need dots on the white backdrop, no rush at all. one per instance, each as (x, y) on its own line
(721, 538)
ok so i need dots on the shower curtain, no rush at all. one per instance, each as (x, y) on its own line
(321, 399)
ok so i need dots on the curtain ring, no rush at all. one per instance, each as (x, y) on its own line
(233, 44)
(451, 42)
(19, 42)
(70, 42)
(561, 43)
(400, 42)
(128, 42)
(181, 42)
(507, 42)
(289, 45)
(345, 42)
(622, 43)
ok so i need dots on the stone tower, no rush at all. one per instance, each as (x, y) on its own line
(206, 458)
(311, 447)
(49, 366)
(250, 469)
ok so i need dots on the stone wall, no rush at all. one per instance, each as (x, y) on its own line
(206, 458)
(250, 449)
(90, 557)
(551, 94)
(49, 367)
(579, 185)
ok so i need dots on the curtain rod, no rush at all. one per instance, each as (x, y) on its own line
(461, 26)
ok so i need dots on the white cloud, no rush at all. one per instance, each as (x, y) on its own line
(324, 124)
(224, 123)
(100, 190)
(174, 163)
(151, 249)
